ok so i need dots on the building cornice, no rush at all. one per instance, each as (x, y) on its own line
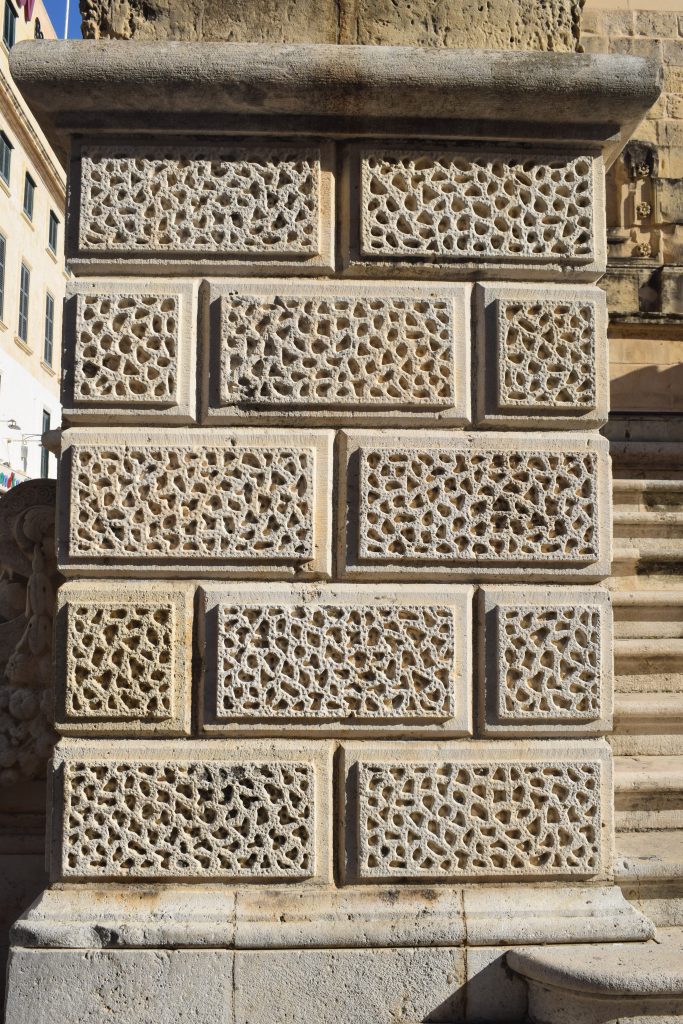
(45, 162)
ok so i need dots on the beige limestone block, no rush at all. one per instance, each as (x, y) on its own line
(340, 352)
(336, 660)
(166, 206)
(127, 986)
(542, 356)
(130, 351)
(124, 657)
(455, 212)
(545, 661)
(212, 810)
(179, 503)
(446, 504)
(467, 810)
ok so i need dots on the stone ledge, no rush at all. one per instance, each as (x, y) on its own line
(79, 85)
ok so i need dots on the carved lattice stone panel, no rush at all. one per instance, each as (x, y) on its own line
(491, 500)
(245, 499)
(124, 657)
(542, 355)
(327, 349)
(482, 813)
(187, 819)
(310, 656)
(546, 661)
(455, 205)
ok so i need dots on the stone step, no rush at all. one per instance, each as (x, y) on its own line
(648, 793)
(648, 867)
(606, 983)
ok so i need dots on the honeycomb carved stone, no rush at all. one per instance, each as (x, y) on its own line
(174, 499)
(483, 500)
(124, 655)
(542, 355)
(546, 661)
(474, 818)
(341, 347)
(233, 200)
(187, 819)
(456, 205)
(339, 656)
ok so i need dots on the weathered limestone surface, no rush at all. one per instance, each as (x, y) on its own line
(513, 25)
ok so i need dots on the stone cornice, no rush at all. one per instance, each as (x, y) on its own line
(82, 86)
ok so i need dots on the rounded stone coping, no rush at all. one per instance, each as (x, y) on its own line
(648, 969)
(598, 95)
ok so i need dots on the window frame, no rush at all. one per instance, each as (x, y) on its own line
(3, 273)
(6, 148)
(29, 193)
(44, 454)
(24, 295)
(49, 334)
(9, 17)
(53, 222)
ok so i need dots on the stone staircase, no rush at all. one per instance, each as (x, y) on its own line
(647, 587)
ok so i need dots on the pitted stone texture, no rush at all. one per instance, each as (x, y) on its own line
(443, 205)
(124, 655)
(239, 499)
(542, 354)
(238, 200)
(334, 659)
(187, 819)
(546, 661)
(497, 502)
(339, 350)
(484, 813)
(130, 350)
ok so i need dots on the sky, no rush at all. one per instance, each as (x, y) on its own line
(56, 10)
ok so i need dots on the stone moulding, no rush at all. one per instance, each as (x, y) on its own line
(337, 352)
(545, 661)
(482, 505)
(335, 660)
(442, 211)
(542, 357)
(174, 205)
(469, 810)
(239, 812)
(124, 656)
(131, 502)
(130, 351)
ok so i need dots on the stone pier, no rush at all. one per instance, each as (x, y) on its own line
(334, 657)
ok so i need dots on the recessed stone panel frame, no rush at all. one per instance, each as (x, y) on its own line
(88, 259)
(493, 602)
(315, 447)
(491, 300)
(357, 259)
(311, 762)
(453, 606)
(354, 565)
(178, 408)
(449, 405)
(359, 759)
(126, 599)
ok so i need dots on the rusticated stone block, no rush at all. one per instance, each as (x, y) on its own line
(434, 505)
(542, 356)
(130, 351)
(252, 203)
(124, 657)
(337, 352)
(336, 660)
(545, 661)
(203, 810)
(472, 810)
(441, 211)
(171, 501)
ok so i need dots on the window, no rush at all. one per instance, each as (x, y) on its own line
(9, 25)
(24, 286)
(45, 455)
(5, 157)
(49, 328)
(53, 232)
(3, 251)
(29, 195)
